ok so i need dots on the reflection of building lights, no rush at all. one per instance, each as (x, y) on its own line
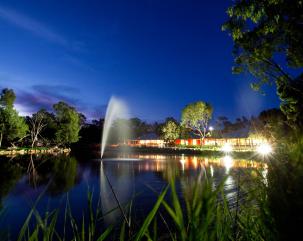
(182, 161)
(229, 187)
(264, 149)
(195, 162)
(228, 163)
(227, 148)
(211, 170)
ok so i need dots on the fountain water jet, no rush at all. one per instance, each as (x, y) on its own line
(115, 109)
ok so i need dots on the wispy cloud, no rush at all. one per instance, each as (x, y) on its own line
(45, 96)
(31, 25)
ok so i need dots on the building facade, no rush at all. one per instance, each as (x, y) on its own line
(237, 142)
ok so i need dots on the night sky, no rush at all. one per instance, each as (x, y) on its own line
(158, 56)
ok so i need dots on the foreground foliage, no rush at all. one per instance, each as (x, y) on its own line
(268, 38)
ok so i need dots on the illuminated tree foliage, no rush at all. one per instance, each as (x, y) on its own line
(12, 126)
(170, 131)
(47, 134)
(196, 116)
(37, 125)
(268, 37)
(68, 121)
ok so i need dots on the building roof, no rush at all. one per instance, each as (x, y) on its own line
(149, 136)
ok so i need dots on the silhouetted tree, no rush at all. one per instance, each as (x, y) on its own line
(12, 126)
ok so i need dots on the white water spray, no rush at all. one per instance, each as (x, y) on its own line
(116, 109)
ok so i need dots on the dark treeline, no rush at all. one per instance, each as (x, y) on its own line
(64, 125)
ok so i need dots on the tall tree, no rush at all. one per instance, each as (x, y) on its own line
(48, 132)
(196, 117)
(68, 123)
(12, 126)
(37, 124)
(268, 37)
(171, 131)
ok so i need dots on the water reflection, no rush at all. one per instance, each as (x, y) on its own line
(183, 161)
(117, 188)
(27, 177)
(160, 162)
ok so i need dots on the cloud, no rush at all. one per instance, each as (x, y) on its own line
(39, 29)
(45, 96)
(31, 25)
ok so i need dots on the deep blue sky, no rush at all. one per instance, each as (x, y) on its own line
(156, 55)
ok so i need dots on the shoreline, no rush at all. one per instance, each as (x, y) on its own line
(30, 151)
(112, 151)
(246, 154)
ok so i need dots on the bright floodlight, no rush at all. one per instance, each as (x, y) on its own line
(264, 149)
(227, 148)
(211, 128)
(228, 163)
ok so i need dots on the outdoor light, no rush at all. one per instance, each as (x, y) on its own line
(228, 163)
(264, 149)
(211, 128)
(227, 148)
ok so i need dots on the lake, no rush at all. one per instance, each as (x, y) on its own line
(135, 179)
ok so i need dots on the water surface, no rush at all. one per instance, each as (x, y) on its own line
(56, 179)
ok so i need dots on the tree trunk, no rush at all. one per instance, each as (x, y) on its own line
(1, 136)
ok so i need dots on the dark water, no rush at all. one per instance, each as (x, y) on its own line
(54, 179)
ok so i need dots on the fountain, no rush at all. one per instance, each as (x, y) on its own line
(115, 109)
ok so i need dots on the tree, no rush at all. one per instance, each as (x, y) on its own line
(120, 131)
(91, 133)
(68, 124)
(37, 123)
(268, 37)
(171, 131)
(270, 124)
(196, 116)
(48, 133)
(137, 127)
(12, 126)
(7, 98)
